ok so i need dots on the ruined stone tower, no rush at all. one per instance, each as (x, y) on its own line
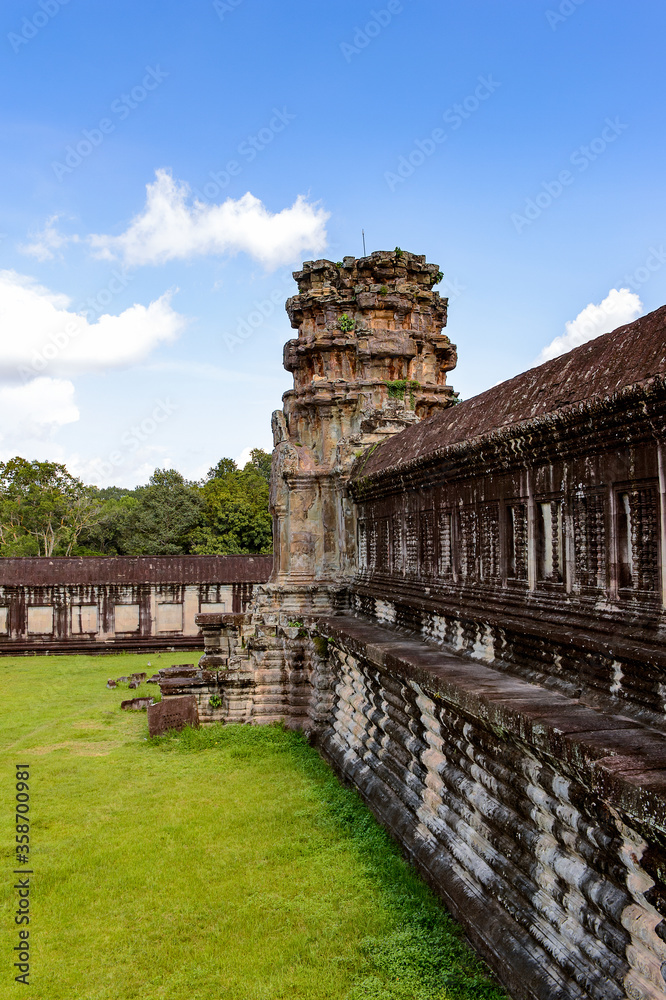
(370, 359)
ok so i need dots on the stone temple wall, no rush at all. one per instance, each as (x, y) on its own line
(124, 602)
(467, 616)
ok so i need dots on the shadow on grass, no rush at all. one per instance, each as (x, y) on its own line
(424, 957)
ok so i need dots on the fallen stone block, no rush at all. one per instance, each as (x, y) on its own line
(133, 684)
(136, 704)
(139, 677)
(122, 680)
(172, 713)
(111, 683)
(154, 679)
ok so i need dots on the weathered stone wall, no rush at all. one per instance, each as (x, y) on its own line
(541, 821)
(258, 668)
(549, 566)
(60, 605)
(532, 816)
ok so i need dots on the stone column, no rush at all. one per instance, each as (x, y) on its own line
(370, 358)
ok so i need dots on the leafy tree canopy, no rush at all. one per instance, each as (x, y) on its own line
(44, 510)
(261, 460)
(236, 516)
(167, 509)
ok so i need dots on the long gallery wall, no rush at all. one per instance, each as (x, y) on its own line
(124, 602)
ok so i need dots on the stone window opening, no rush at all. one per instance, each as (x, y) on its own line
(489, 562)
(515, 542)
(427, 555)
(371, 539)
(468, 547)
(362, 546)
(590, 540)
(84, 619)
(625, 548)
(411, 545)
(383, 542)
(637, 542)
(549, 541)
(510, 525)
(397, 558)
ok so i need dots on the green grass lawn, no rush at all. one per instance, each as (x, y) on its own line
(220, 863)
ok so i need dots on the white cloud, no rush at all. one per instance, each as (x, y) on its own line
(619, 307)
(47, 240)
(128, 468)
(244, 457)
(39, 333)
(169, 228)
(35, 411)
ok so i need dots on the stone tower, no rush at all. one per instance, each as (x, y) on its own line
(370, 358)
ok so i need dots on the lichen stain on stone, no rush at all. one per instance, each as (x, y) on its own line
(384, 611)
(647, 951)
(484, 648)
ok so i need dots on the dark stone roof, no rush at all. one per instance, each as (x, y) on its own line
(629, 355)
(60, 571)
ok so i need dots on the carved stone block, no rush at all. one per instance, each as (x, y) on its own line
(172, 713)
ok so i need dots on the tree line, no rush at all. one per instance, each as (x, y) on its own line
(46, 511)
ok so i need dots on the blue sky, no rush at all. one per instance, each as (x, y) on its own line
(519, 145)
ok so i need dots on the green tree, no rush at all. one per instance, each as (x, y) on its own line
(235, 507)
(164, 513)
(111, 535)
(225, 467)
(261, 461)
(43, 508)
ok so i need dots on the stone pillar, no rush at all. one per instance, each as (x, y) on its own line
(370, 358)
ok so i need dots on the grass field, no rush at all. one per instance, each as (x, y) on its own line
(221, 863)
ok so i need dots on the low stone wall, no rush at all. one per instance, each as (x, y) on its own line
(539, 821)
(615, 669)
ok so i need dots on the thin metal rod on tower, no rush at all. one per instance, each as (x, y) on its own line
(363, 235)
